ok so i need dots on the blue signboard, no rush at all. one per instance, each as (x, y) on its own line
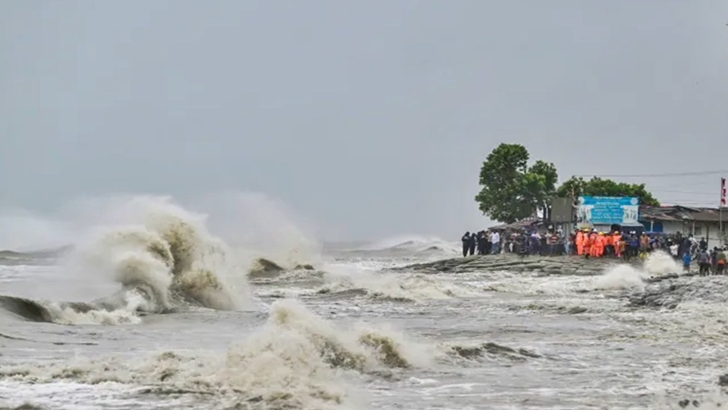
(607, 210)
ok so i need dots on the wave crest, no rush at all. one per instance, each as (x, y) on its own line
(163, 257)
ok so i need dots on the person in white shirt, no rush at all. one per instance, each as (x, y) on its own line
(495, 240)
(674, 249)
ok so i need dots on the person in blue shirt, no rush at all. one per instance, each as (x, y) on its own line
(634, 245)
(686, 262)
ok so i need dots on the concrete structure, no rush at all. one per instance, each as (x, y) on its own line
(701, 222)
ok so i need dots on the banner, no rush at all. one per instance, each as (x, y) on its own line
(607, 210)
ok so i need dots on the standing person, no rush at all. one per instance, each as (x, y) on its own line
(686, 262)
(703, 263)
(623, 249)
(609, 243)
(579, 240)
(586, 249)
(644, 244)
(721, 262)
(594, 244)
(473, 242)
(488, 242)
(673, 250)
(495, 239)
(466, 243)
(568, 241)
(617, 242)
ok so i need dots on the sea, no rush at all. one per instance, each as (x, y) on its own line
(157, 311)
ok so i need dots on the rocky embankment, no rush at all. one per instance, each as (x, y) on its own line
(671, 290)
(264, 268)
(663, 290)
(569, 265)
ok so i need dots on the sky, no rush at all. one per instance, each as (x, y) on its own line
(371, 118)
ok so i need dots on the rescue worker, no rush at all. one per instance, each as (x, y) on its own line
(598, 245)
(617, 243)
(579, 242)
(593, 243)
(587, 243)
(608, 244)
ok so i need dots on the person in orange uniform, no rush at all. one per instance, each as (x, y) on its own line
(608, 244)
(617, 240)
(587, 243)
(579, 242)
(598, 245)
(592, 243)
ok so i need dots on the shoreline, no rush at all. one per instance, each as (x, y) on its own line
(558, 264)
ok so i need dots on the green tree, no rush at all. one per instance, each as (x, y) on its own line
(576, 186)
(510, 189)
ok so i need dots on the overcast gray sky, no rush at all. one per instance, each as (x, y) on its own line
(369, 117)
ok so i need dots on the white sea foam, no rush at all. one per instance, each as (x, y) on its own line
(624, 276)
(297, 359)
(414, 287)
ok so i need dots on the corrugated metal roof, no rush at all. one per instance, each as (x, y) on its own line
(680, 213)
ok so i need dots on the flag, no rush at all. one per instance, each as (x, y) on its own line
(722, 192)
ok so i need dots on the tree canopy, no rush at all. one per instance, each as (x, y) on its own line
(512, 190)
(576, 186)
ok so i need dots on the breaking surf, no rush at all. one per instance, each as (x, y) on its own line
(162, 257)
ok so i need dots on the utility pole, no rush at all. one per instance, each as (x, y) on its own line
(720, 211)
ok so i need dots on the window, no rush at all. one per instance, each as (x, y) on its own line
(698, 230)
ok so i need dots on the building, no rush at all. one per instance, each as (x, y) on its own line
(701, 222)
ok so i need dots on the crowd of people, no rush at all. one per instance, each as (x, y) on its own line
(483, 242)
(590, 243)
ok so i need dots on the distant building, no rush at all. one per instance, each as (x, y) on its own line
(701, 222)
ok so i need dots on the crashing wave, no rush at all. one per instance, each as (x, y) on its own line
(164, 260)
(294, 361)
(626, 276)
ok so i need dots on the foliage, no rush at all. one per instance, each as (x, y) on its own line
(576, 186)
(511, 190)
